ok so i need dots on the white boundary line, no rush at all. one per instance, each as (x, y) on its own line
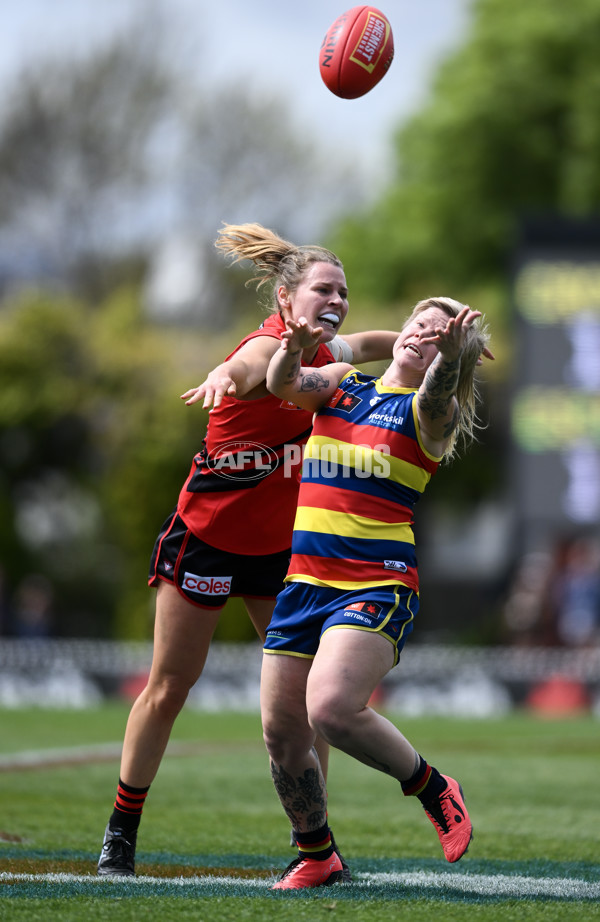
(48, 758)
(493, 885)
(505, 885)
(75, 755)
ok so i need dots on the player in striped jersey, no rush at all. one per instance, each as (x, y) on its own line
(352, 586)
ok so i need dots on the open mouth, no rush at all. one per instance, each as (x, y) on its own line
(330, 320)
(414, 349)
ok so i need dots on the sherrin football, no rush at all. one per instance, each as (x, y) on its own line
(356, 52)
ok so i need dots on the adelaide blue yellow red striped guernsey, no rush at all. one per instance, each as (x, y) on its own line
(364, 469)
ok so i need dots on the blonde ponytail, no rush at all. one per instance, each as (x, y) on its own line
(277, 260)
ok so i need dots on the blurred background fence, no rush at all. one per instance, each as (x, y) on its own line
(430, 679)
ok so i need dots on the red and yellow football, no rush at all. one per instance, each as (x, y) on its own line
(356, 52)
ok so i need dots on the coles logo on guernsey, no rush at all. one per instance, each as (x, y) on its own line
(206, 585)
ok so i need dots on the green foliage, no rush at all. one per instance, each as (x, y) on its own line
(94, 446)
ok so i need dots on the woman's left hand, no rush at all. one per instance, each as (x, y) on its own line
(451, 338)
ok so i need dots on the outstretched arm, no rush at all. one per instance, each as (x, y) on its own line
(371, 346)
(237, 376)
(309, 388)
(437, 406)
(376, 345)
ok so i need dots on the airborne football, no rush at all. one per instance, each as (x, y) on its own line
(356, 52)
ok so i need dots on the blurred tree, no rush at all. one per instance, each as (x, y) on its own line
(245, 152)
(73, 170)
(102, 157)
(512, 127)
(94, 445)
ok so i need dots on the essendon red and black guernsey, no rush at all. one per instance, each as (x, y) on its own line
(241, 493)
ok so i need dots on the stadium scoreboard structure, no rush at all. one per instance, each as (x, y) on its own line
(555, 407)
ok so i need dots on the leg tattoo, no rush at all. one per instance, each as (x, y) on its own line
(304, 799)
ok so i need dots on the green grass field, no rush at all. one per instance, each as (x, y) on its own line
(213, 835)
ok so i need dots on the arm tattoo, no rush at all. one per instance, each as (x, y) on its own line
(452, 424)
(441, 381)
(303, 797)
(314, 381)
(295, 368)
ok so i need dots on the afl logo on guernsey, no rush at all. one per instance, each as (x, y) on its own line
(242, 460)
(341, 400)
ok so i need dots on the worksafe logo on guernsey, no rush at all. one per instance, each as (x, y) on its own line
(242, 460)
(206, 585)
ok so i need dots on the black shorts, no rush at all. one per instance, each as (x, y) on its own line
(207, 576)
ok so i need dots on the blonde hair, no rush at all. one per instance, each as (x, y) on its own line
(277, 260)
(467, 389)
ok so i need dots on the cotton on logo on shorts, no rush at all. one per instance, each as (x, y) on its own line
(206, 585)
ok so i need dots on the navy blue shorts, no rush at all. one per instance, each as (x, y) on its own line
(304, 612)
(206, 576)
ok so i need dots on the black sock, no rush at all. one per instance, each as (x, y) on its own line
(426, 784)
(315, 844)
(128, 806)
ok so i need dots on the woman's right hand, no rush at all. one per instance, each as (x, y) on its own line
(299, 334)
(218, 383)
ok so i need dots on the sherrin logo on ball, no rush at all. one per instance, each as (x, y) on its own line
(356, 52)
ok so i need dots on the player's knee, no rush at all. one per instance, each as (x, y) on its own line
(286, 740)
(331, 719)
(167, 697)
(275, 743)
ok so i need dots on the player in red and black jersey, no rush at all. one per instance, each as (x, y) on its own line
(230, 533)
